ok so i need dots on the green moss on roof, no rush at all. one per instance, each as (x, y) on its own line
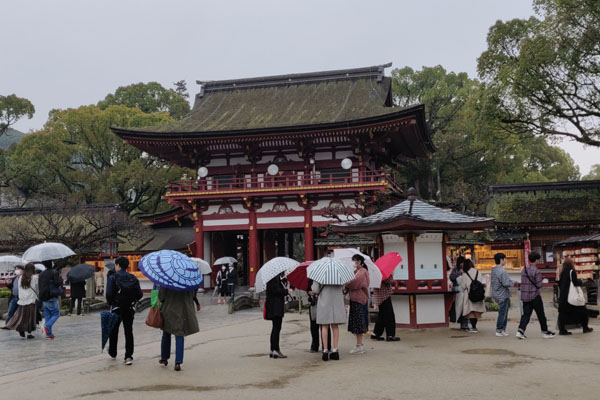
(295, 104)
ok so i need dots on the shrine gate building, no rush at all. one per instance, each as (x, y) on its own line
(276, 156)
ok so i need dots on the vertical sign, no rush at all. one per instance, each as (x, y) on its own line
(527, 251)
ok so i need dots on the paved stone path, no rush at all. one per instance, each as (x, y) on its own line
(78, 337)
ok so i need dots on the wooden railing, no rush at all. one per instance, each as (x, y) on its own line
(291, 181)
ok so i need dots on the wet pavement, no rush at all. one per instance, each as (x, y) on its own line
(79, 337)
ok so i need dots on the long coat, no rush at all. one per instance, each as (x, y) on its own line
(275, 302)
(78, 290)
(178, 312)
(330, 307)
(468, 305)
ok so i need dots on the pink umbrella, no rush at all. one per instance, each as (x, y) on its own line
(388, 263)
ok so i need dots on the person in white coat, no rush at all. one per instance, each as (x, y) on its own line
(471, 310)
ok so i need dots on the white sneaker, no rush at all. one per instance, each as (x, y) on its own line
(548, 335)
(521, 335)
(128, 361)
(357, 350)
(500, 334)
(504, 333)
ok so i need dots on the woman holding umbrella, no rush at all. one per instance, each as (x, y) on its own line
(179, 319)
(359, 296)
(274, 309)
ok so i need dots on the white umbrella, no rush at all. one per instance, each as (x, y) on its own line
(271, 269)
(47, 251)
(202, 265)
(330, 271)
(39, 267)
(9, 262)
(225, 260)
(375, 276)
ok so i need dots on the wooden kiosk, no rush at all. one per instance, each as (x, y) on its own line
(417, 231)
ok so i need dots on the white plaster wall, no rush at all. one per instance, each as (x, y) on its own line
(233, 221)
(327, 155)
(401, 306)
(280, 220)
(217, 162)
(430, 309)
(395, 243)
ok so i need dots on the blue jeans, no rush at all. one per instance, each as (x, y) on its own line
(12, 307)
(51, 313)
(165, 348)
(503, 307)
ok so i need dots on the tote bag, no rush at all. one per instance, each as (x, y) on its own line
(575, 297)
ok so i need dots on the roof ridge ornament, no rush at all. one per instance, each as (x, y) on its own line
(412, 196)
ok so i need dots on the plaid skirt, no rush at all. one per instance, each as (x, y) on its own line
(24, 319)
(356, 320)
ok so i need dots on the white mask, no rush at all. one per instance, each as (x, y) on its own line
(18, 272)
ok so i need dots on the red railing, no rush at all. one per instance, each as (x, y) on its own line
(291, 181)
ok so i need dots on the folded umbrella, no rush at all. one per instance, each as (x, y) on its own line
(47, 251)
(297, 278)
(388, 263)
(330, 271)
(80, 273)
(374, 272)
(202, 265)
(271, 269)
(108, 320)
(171, 269)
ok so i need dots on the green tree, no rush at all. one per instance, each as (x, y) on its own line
(594, 173)
(149, 97)
(542, 74)
(471, 152)
(181, 89)
(77, 156)
(12, 109)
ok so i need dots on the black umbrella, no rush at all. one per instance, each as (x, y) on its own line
(80, 273)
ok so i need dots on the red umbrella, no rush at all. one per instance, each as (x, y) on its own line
(297, 278)
(388, 263)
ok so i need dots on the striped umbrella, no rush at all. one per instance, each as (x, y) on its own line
(171, 269)
(375, 275)
(330, 271)
(271, 269)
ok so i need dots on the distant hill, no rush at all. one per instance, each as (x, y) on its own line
(11, 136)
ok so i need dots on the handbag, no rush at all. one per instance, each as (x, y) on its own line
(575, 297)
(155, 318)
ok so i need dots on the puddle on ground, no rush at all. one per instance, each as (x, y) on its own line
(511, 364)
(490, 352)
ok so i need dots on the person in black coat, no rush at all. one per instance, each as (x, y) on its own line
(568, 313)
(274, 310)
(77, 295)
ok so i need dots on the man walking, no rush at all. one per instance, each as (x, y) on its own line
(122, 292)
(531, 282)
(51, 288)
(501, 284)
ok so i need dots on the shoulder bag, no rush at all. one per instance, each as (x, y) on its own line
(575, 297)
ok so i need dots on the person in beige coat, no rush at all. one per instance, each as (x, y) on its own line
(471, 310)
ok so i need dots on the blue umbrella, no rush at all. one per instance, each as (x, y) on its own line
(171, 269)
(108, 320)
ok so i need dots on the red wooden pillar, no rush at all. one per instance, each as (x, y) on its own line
(253, 255)
(199, 234)
(412, 282)
(309, 242)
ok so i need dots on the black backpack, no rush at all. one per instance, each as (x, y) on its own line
(127, 293)
(476, 291)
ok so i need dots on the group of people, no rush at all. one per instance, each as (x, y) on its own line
(328, 311)
(31, 295)
(225, 283)
(469, 308)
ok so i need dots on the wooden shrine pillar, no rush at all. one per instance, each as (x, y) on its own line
(199, 234)
(309, 241)
(253, 248)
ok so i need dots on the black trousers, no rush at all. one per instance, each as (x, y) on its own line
(125, 317)
(79, 301)
(315, 333)
(536, 305)
(275, 331)
(571, 314)
(385, 319)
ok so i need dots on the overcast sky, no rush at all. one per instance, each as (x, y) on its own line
(62, 54)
